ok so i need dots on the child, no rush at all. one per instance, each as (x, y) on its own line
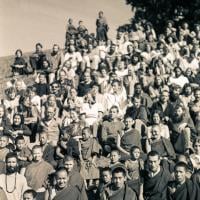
(195, 157)
(23, 153)
(115, 159)
(106, 177)
(29, 195)
(134, 165)
(3, 147)
(67, 145)
(89, 149)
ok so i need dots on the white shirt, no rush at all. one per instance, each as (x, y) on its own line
(20, 185)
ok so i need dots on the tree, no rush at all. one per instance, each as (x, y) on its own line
(159, 11)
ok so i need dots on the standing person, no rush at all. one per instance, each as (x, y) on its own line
(56, 59)
(13, 183)
(182, 188)
(37, 172)
(62, 190)
(118, 190)
(155, 179)
(90, 150)
(102, 27)
(134, 165)
(75, 179)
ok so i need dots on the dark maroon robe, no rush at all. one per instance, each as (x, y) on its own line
(156, 187)
(70, 192)
(187, 191)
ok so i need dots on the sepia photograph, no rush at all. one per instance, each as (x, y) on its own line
(99, 100)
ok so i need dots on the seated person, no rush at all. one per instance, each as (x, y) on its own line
(47, 148)
(66, 146)
(182, 129)
(110, 129)
(37, 57)
(130, 137)
(137, 111)
(19, 65)
(160, 144)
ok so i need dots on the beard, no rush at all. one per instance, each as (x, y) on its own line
(11, 170)
(177, 118)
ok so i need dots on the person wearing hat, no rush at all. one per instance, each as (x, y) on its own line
(118, 189)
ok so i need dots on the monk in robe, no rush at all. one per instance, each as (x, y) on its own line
(118, 189)
(37, 172)
(182, 188)
(131, 137)
(155, 179)
(75, 179)
(90, 148)
(48, 149)
(62, 190)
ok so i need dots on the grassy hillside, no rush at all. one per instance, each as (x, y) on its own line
(6, 74)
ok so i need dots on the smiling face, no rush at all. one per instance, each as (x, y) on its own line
(17, 120)
(61, 179)
(155, 133)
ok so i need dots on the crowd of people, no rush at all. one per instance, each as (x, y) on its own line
(105, 118)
